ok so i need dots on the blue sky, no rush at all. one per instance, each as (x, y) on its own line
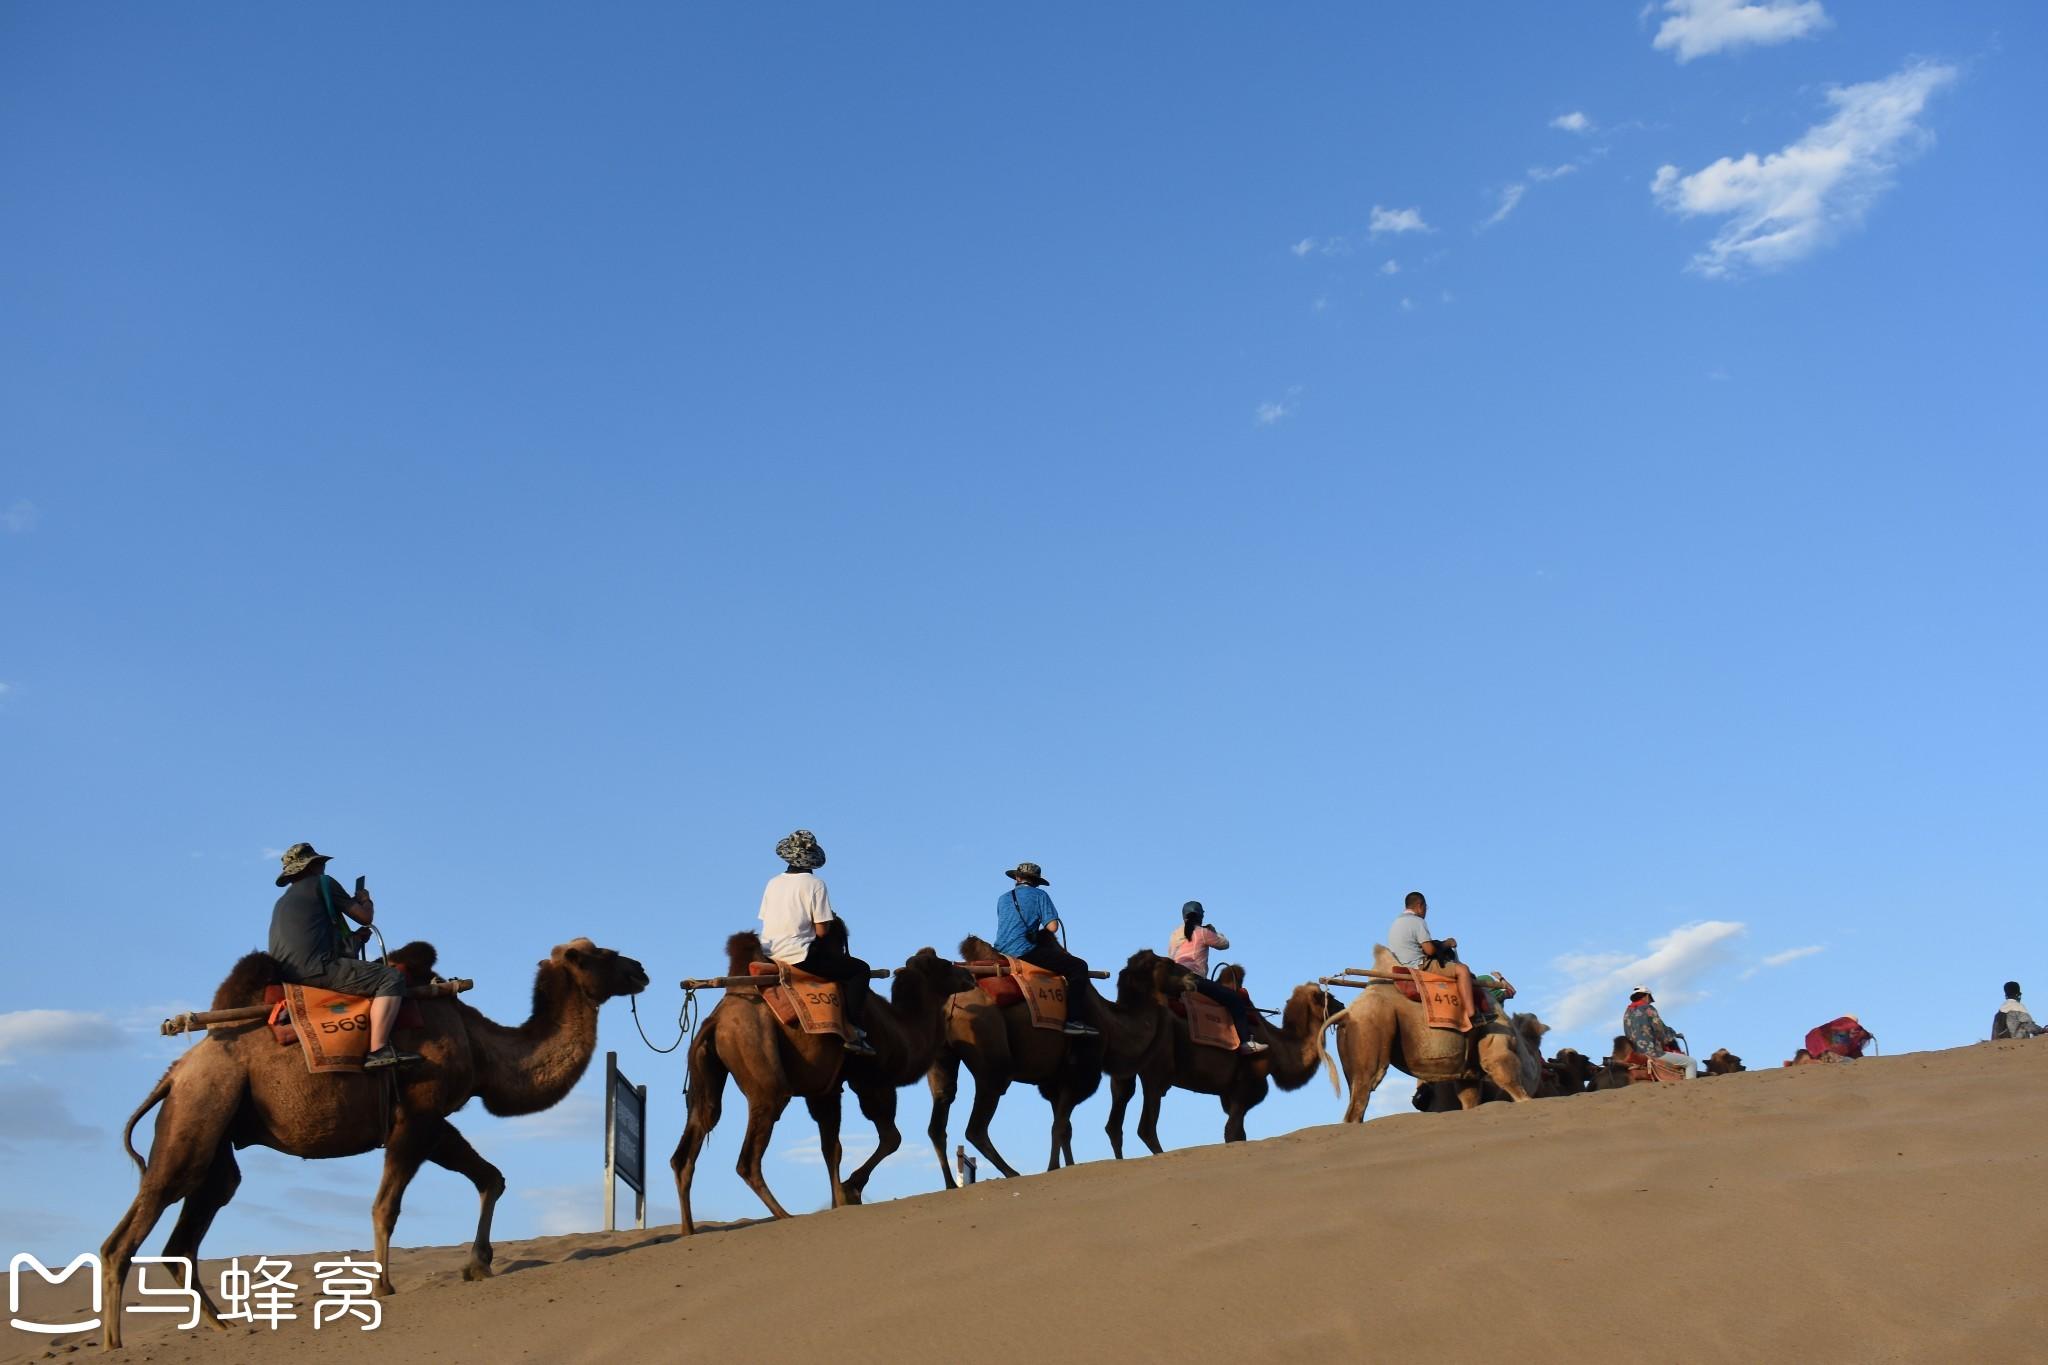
(1585, 468)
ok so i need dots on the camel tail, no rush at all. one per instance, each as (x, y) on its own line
(156, 1095)
(1322, 1051)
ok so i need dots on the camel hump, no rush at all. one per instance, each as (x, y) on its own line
(246, 980)
(975, 948)
(743, 949)
(415, 961)
(1383, 958)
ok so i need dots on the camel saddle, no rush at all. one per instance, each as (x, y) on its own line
(803, 1001)
(1439, 996)
(1209, 1024)
(1672, 1066)
(332, 1028)
(1042, 992)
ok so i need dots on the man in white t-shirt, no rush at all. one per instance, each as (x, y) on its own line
(799, 928)
(1413, 944)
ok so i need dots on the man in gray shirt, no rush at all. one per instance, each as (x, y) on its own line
(1414, 945)
(314, 946)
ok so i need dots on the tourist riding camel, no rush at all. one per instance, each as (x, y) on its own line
(1190, 947)
(1840, 1039)
(2012, 1019)
(1028, 927)
(1644, 1028)
(1414, 945)
(314, 946)
(798, 929)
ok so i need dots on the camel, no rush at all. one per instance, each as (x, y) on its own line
(1293, 1052)
(774, 1064)
(999, 1046)
(1382, 1028)
(238, 1088)
(1441, 1097)
(1724, 1063)
(1572, 1071)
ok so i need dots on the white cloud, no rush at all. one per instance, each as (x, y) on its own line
(1574, 122)
(1407, 305)
(1320, 305)
(34, 1112)
(1304, 246)
(1780, 959)
(580, 1117)
(18, 517)
(23, 1031)
(1270, 414)
(1783, 207)
(1397, 220)
(5, 688)
(1539, 174)
(1392, 267)
(1509, 198)
(1671, 967)
(1699, 28)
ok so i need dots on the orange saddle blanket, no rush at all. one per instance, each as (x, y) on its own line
(1042, 992)
(1209, 1024)
(1442, 1001)
(806, 1002)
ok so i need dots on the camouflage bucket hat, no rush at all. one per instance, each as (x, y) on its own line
(1028, 872)
(297, 859)
(800, 850)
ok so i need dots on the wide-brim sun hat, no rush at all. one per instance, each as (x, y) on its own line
(297, 859)
(1028, 872)
(800, 850)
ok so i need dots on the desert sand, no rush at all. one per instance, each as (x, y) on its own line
(1894, 1209)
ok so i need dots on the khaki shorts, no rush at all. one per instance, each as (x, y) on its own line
(353, 977)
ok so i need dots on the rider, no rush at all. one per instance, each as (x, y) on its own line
(797, 929)
(1645, 1029)
(1027, 927)
(2012, 1019)
(314, 946)
(1190, 947)
(1414, 945)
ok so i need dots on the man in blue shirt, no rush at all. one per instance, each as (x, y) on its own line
(1028, 926)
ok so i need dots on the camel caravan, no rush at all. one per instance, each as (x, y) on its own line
(314, 1049)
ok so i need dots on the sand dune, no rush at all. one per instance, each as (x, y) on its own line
(1893, 1209)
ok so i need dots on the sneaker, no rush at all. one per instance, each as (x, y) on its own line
(860, 1046)
(1251, 1047)
(1075, 1029)
(388, 1055)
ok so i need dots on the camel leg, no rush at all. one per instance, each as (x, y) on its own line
(181, 1158)
(201, 1206)
(825, 1110)
(404, 1152)
(878, 1103)
(1062, 1127)
(988, 1093)
(454, 1153)
(762, 1112)
(707, 1101)
(1148, 1113)
(944, 1079)
(1121, 1088)
(1365, 1062)
(1506, 1072)
(1469, 1094)
(1234, 1108)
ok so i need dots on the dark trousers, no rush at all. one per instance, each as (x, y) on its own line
(1051, 955)
(1234, 1001)
(835, 964)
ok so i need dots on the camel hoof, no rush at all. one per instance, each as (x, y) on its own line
(476, 1270)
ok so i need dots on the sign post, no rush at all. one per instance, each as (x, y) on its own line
(625, 1142)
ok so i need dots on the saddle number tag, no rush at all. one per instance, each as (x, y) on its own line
(823, 996)
(1443, 1003)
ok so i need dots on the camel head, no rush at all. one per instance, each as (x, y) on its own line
(1724, 1063)
(1148, 976)
(600, 973)
(1574, 1070)
(933, 973)
(1232, 975)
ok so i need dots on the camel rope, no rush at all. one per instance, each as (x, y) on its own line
(686, 1020)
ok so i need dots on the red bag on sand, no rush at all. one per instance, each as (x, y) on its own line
(1843, 1037)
